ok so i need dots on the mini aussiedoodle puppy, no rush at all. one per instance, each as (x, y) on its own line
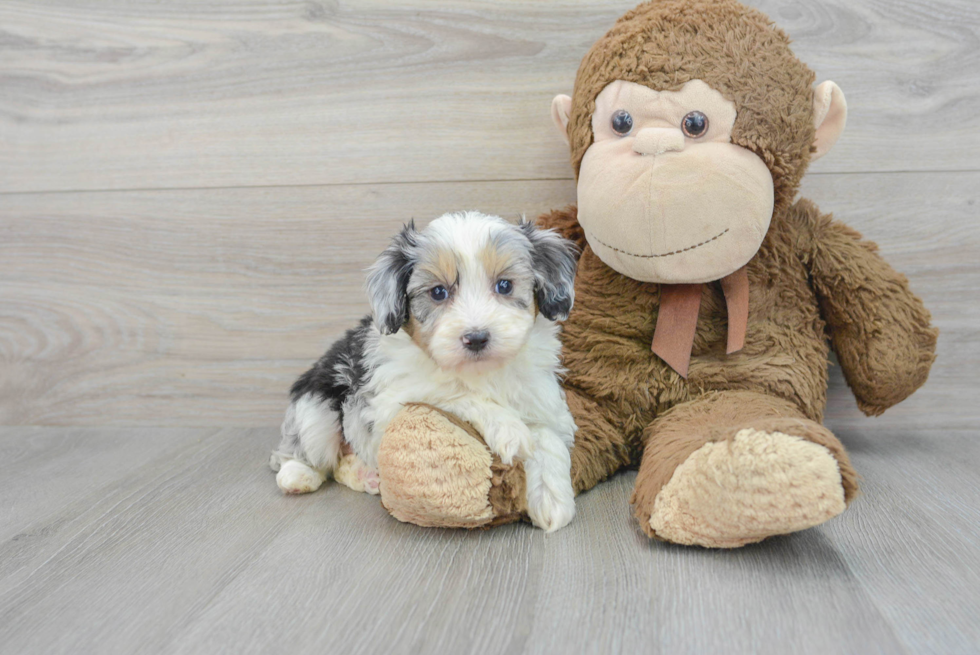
(463, 319)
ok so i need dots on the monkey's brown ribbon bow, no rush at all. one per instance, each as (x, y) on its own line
(677, 320)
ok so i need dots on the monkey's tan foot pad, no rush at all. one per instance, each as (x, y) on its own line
(730, 493)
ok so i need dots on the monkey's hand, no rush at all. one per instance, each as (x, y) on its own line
(436, 471)
(879, 329)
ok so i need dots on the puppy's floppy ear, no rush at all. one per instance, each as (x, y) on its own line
(554, 260)
(387, 282)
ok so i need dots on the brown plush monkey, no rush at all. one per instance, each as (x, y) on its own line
(705, 297)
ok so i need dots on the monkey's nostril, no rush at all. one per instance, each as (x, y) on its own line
(476, 341)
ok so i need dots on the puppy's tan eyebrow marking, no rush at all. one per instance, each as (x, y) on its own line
(512, 273)
(441, 265)
(494, 260)
(501, 253)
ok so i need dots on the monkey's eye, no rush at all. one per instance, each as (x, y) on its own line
(694, 124)
(622, 122)
(504, 287)
(439, 293)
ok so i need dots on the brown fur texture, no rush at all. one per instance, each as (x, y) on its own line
(619, 390)
(878, 328)
(813, 280)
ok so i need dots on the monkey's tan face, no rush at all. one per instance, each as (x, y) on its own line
(663, 194)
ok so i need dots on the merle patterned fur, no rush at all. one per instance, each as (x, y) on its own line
(339, 373)
(555, 261)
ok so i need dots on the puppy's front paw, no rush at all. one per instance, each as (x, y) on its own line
(297, 478)
(510, 440)
(550, 509)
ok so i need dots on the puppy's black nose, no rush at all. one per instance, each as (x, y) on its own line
(476, 341)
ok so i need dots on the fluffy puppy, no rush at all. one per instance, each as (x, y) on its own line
(463, 319)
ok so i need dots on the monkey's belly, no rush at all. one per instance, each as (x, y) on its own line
(609, 359)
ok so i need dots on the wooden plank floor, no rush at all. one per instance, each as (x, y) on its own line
(186, 545)
(189, 193)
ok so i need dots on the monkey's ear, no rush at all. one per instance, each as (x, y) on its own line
(829, 117)
(561, 109)
(387, 282)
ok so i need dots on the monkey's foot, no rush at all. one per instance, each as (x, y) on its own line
(436, 471)
(738, 491)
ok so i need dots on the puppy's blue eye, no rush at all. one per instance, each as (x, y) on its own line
(622, 122)
(504, 287)
(439, 293)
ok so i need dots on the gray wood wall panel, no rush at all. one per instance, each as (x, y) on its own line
(196, 307)
(199, 307)
(122, 94)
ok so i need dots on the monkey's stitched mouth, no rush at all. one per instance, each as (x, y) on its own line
(665, 254)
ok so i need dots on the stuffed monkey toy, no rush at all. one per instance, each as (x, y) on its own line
(706, 300)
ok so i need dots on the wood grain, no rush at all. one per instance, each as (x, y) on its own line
(913, 539)
(188, 307)
(134, 94)
(127, 561)
(46, 471)
(200, 307)
(193, 549)
(189, 193)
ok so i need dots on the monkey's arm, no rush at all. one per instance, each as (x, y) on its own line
(879, 329)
